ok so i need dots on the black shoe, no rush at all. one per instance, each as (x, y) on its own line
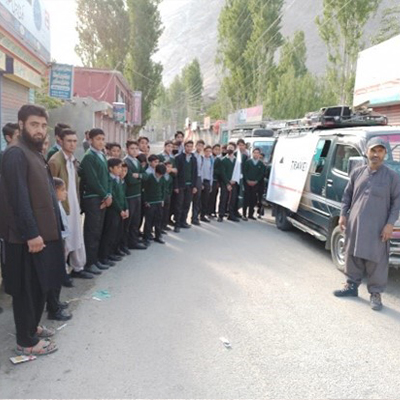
(81, 275)
(253, 218)
(1, 310)
(159, 240)
(68, 282)
(234, 219)
(102, 265)
(146, 243)
(167, 228)
(177, 229)
(196, 223)
(63, 305)
(92, 269)
(220, 219)
(60, 315)
(114, 258)
(109, 263)
(138, 246)
(185, 225)
(349, 290)
(126, 251)
(151, 237)
(205, 219)
(119, 253)
(238, 215)
(244, 218)
(164, 232)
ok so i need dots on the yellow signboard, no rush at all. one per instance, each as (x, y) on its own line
(2, 61)
(25, 75)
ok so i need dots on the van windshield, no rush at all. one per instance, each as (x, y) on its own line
(265, 147)
(392, 159)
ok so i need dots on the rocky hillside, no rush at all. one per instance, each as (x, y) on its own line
(191, 31)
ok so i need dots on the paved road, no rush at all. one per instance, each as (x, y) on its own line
(266, 291)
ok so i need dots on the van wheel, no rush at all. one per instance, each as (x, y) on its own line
(338, 248)
(281, 220)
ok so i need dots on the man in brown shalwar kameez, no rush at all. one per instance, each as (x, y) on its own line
(370, 208)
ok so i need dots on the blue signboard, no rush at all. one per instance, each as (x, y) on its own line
(119, 110)
(61, 81)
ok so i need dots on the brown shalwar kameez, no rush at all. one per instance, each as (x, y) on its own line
(371, 200)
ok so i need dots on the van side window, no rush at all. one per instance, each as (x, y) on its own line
(321, 152)
(342, 155)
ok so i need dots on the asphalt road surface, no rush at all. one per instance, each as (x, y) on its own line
(267, 292)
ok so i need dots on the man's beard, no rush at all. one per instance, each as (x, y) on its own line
(36, 142)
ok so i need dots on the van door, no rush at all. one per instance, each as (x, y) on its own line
(338, 177)
(313, 206)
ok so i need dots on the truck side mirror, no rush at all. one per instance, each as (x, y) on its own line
(355, 162)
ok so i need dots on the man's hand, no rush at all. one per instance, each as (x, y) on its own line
(135, 175)
(343, 223)
(194, 191)
(176, 191)
(229, 187)
(232, 183)
(147, 205)
(251, 183)
(108, 201)
(103, 206)
(387, 232)
(36, 245)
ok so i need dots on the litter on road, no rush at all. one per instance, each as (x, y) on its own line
(101, 295)
(226, 343)
(22, 359)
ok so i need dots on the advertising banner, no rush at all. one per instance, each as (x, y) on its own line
(290, 166)
(207, 122)
(137, 108)
(29, 22)
(61, 81)
(119, 111)
(249, 115)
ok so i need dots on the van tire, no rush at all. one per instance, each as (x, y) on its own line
(281, 220)
(338, 249)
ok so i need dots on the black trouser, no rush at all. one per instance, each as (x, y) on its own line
(246, 199)
(111, 235)
(166, 211)
(28, 308)
(196, 210)
(229, 198)
(172, 206)
(182, 206)
(53, 300)
(153, 218)
(251, 196)
(132, 224)
(260, 197)
(212, 205)
(93, 228)
(205, 197)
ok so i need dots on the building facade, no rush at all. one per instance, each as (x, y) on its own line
(24, 54)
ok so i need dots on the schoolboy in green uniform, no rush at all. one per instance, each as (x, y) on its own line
(254, 172)
(115, 214)
(96, 197)
(154, 201)
(134, 179)
(168, 190)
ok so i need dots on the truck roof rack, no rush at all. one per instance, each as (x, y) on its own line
(335, 117)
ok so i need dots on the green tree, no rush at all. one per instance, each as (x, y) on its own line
(389, 26)
(103, 28)
(141, 71)
(294, 54)
(341, 27)
(193, 83)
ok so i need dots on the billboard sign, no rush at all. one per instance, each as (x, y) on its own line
(378, 74)
(29, 22)
(119, 111)
(207, 122)
(249, 115)
(61, 81)
(137, 108)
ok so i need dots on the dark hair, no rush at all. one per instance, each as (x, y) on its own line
(161, 169)
(208, 147)
(9, 129)
(257, 149)
(30, 109)
(167, 142)
(167, 163)
(115, 144)
(129, 143)
(96, 132)
(179, 133)
(66, 132)
(189, 142)
(58, 183)
(216, 145)
(152, 158)
(143, 138)
(241, 141)
(113, 162)
(231, 144)
(124, 165)
(201, 141)
(176, 143)
(224, 147)
(142, 158)
(59, 128)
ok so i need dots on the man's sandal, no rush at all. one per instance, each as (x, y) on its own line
(43, 348)
(44, 333)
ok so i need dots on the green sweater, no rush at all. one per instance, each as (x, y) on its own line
(119, 202)
(154, 190)
(217, 169)
(226, 169)
(162, 159)
(253, 172)
(168, 186)
(95, 178)
(134, 185)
